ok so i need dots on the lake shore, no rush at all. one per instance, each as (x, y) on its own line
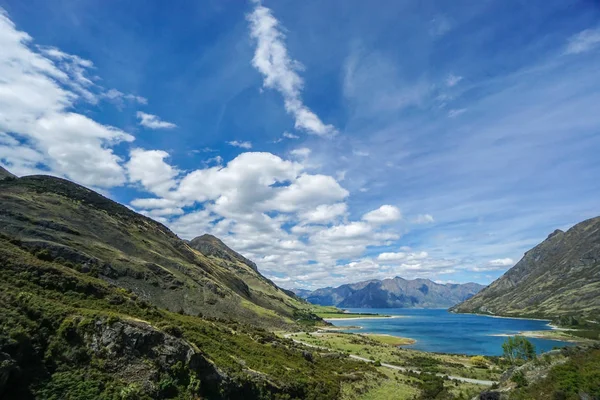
(357, 317)
(557, 335)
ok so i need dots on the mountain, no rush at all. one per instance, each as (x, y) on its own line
(558, 277)
(393, 293)
(99, 302)
(4, 174)
(63, 222)
(303, 293)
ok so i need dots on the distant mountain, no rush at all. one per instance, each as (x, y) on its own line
(560, 276)
(393, 293)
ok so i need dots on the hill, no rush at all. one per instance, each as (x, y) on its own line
(63, 222)
(5, 174)
(558, 277)
(97, 301)
(393, 293)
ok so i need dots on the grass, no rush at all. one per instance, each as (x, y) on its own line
(376, 350)
(389, 339)
(49, 313)
(388, 385)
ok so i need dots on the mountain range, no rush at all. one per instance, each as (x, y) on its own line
(392, 293)
(558, 277)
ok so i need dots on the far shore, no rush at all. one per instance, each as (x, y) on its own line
(331, 319)
(505, 317)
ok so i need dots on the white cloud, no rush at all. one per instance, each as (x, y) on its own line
(494, 265)
(271, 59)
(118, 97)
(423, 219)
(301, 152)
(153, 122)
(272, 210)
(383, 215)
(323, 213)
(583, 41)
(243, 145)
(402, 256)
(217, 160)
(502, 262)
(37, 89)
(288, 135)
(149, 168)
(453, 80)
(456, 113)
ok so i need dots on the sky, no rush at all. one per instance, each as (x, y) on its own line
(329, 141)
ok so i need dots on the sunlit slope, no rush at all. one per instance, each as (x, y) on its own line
(560, 276)
(60, 221)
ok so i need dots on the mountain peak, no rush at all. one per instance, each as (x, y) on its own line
(210, 245)
(4, 174)
(559, 276)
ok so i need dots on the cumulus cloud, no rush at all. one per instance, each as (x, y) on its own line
(383, 215)
(38, 88)
(280, 72)
(272, 210)
(153, 122)
(323, 213)
(149, 168)
(237, 143)
(583, 41)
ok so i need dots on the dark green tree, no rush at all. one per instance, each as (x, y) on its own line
(518, 348)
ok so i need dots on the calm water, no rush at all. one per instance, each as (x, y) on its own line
(444, 332)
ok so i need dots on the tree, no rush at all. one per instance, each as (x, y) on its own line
(518, 348)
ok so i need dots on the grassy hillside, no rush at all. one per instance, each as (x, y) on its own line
(67, 334)
(57, 220)
(559, 277)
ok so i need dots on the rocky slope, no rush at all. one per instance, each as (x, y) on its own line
(64, 222)
(560, 276)
(393, 293)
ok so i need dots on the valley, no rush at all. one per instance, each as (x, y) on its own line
(101, 302)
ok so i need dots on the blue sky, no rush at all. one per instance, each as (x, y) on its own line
(329, 141)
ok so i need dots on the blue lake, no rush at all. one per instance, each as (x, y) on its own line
(445, 332)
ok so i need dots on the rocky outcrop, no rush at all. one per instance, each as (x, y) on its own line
(139, 353)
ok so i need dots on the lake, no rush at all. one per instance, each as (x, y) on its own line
(445, 332)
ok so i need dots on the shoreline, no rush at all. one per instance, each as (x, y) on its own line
(543, 335)
(504, 317)
(364, 317)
